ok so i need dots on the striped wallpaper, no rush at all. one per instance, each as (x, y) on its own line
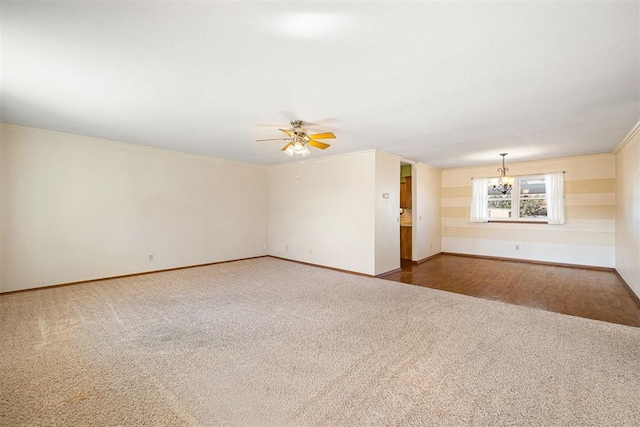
(586, 237)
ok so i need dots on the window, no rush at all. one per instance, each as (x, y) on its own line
(527, 200)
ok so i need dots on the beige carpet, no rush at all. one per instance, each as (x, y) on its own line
(270, 342)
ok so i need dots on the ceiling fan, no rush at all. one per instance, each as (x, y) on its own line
(298, 139)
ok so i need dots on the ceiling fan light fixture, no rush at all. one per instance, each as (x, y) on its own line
(297, 148)
(301, 150)
(298, 141)
(289, 151)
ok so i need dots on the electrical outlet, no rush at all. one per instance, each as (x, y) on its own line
(264, 246)
(311, 251)
(150, 257)
(517, 247)
(286, 248)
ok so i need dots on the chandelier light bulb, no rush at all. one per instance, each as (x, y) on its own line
(289, 150)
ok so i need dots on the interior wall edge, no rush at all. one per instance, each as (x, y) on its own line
(632, 133)
(635, 296)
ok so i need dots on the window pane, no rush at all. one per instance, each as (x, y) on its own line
(533, 203)
(499, 205)
(493, 192)
(533, 208)
(532, 187)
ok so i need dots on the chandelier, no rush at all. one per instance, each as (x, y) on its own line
(504, 183)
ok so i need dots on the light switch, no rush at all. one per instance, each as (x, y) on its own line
(385, 195)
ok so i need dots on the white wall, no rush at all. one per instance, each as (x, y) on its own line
(628, 209)
(387, 232)
(76, 208)
(427, 216)
(586, 238)
(326, 215)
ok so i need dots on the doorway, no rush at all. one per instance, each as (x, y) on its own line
(406, 212)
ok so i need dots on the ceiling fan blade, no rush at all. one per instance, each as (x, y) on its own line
(318, 144)
(271, 139)
(286, 146)
(324, 135)
(288, 132)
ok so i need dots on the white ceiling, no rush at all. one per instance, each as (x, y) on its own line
(445, 83)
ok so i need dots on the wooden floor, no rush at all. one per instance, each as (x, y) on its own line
(580, 292)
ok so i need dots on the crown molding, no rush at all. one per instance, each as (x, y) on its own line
(634, 131)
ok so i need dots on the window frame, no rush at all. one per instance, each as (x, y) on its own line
(515, 201)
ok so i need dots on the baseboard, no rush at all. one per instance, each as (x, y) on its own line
(626, 285)
(386, 273)
(420, 261)
(530, 261)
(322, 266)
(127, 275)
